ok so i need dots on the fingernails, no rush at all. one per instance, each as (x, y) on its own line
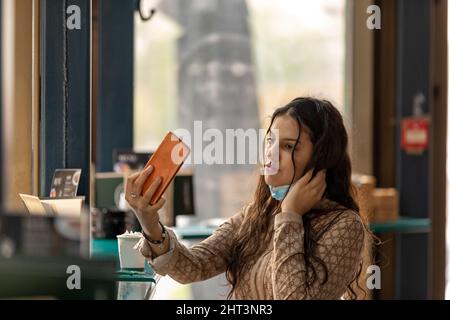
(149, 169)
(159, 179)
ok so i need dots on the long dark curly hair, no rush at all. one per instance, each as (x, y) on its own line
(330, 142)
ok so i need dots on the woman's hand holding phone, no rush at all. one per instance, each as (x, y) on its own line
(305, 193)
(144, 192)
(147, 214)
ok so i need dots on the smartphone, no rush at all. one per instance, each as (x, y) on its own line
(166, 161)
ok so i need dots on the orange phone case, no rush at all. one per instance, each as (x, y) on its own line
(166, 161)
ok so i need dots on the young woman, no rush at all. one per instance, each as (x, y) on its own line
(302, 236)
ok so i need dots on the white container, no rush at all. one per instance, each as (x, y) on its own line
(129, 257)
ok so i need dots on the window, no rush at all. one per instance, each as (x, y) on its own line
(230, 64)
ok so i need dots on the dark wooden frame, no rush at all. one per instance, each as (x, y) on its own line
(410, 56)
(438, 157)
(65, 68)
(1, 105)
(114, 77)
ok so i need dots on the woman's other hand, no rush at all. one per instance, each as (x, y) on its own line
(305, 193)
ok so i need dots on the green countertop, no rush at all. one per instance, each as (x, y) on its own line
(108, 247)
(402, 225)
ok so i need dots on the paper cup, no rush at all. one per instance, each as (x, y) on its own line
(130, 258)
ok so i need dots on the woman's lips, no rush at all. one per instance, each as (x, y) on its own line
(270, 169)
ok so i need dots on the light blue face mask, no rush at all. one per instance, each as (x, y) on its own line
(280, 192)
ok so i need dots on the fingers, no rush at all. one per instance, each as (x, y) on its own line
(306, 178)
(139, 182)
(320, 185)
(129, 182)
(133, 176)
(160, 203)
(304, 181)
(132, 186)
(318, 180)
(322, 190)
(152, 209)
(151, 190)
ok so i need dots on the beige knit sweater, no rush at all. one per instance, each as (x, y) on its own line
(280, 271)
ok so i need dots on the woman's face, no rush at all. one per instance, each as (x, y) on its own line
(288, 129)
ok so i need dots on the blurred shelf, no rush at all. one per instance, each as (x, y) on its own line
(402, 225)
(108, 247)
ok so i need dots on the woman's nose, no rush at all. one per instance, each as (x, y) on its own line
(268, 153)
(272, 153)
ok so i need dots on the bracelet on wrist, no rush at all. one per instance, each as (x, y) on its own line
(164, 235)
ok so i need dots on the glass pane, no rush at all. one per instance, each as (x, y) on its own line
(299, 49)
(155, 74)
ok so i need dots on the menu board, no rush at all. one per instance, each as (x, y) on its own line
(65, 183)
(126, 160)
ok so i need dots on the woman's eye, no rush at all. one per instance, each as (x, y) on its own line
(289, 146)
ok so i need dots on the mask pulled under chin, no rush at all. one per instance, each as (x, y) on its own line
(278, 193)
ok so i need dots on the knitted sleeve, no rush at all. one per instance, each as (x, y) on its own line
(199, 262)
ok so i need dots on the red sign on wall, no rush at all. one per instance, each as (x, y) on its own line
(415, 135)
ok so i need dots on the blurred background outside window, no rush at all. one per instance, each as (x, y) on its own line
(229, 64)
